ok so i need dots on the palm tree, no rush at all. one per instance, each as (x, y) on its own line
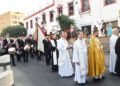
(65, 22)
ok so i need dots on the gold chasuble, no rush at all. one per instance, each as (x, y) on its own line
(96, 58)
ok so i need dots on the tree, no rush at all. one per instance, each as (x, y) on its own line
(14, 31)
(65, 22)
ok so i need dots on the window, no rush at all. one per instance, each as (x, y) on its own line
(70, 9)
(108, 2)
(87, 30)
(27, 25)
(31, 24)
(36, 19)
(60, 10)
(85, 5)
(44, 18)
(18, 17)
(14, 22)
(113, 23)
(14, 17)
(51, 16)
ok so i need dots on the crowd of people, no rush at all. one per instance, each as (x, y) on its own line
(20, 48)
(88, 55)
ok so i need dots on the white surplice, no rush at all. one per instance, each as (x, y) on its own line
(113, 55)
(64, 62)
(80, 55)
(54, 53)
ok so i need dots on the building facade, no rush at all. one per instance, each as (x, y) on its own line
(10, 19)
(85, 13)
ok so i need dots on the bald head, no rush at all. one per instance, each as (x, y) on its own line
(64, 34)
(80, 34)
(115, 31)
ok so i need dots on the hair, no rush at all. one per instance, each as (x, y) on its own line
(115, 31)
(94, 31)
(30, 35)
(79, 32)
(11, 40)
(118, 28)
(62, 32)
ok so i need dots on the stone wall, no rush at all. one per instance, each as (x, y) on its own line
(104, 41)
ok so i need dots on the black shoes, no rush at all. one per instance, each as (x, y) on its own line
(79, 84)
(100, 78)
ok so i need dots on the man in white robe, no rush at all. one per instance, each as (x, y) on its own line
(80, 59)
(113, 55)
(64, 62)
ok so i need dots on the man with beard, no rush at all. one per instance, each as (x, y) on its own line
(96, 59)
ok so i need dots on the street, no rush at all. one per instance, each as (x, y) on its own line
(52, 27)
(37, 73)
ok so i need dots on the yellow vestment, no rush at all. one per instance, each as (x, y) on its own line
(96, 58)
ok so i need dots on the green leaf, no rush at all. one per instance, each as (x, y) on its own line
(14, 31)
(65, 22)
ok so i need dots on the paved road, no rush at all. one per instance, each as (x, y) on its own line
(37, 73)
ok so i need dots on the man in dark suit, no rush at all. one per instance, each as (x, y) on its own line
(117, 51)
(12, 55)
(5, 45)
(30, 41)
(47, 49)
(20, 48)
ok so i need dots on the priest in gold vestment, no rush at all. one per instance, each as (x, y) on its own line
(96, 59)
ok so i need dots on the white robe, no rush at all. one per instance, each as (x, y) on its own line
(64, 62)
(113, 55)
(80, 55)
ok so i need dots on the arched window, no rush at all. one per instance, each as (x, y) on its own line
(85, 5)
(70, 9)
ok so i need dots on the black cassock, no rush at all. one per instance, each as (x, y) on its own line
(47, 50)
(54, 48)
(117, 51)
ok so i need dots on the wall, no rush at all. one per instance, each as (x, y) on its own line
(97, 15)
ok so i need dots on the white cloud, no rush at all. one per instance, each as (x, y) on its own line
(26, 6)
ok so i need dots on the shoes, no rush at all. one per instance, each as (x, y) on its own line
(103, 77)
(75, 84)
(119, 76)
(114, 74)
(14, 64)
(82, 84)
(96, 79)
(78, 84)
